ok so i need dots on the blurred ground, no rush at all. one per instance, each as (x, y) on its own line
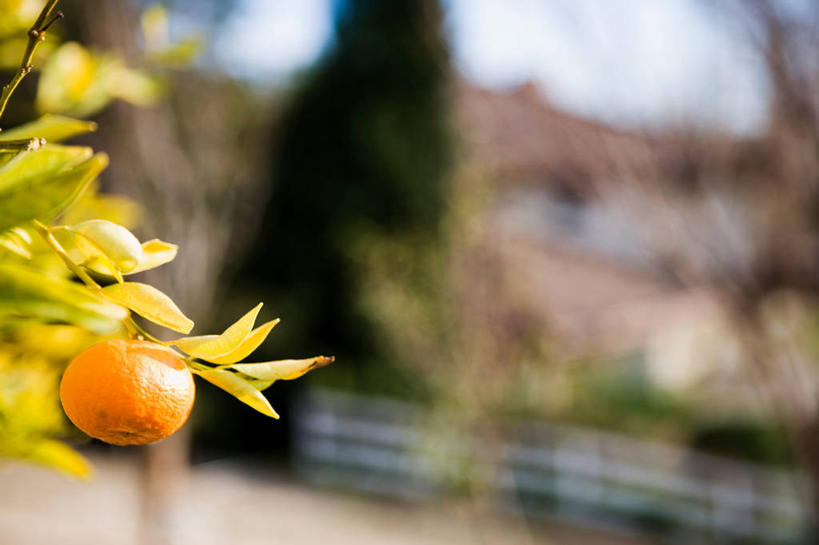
(225, 504)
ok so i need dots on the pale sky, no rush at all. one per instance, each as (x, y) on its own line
(631, 62)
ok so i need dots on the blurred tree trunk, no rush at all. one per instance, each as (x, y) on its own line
(191, 161)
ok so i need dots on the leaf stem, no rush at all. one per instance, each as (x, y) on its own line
(139, 331)
(196, 367)
(36, 34)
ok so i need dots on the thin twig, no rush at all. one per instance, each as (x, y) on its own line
(36, 34)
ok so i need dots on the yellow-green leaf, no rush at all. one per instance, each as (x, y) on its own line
(207, 347)
(83, 251)
(240, 389)
(75, 81)
(154, 23)
(54, 128)
(247, 346)
(24, 292)
(115, 241)
(179, 54)
(46, 161)
(93, 205)
(57, 455)
(135, 86)
(155, 253)
(271, 371)
(42, 184)
(16, 241)
(150, 303)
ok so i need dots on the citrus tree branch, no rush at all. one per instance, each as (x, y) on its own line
(130, 324)
(36, 34)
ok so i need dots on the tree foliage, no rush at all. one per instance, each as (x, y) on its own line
(61, 263)
(363, 147)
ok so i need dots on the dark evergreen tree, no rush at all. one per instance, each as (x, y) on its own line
(363, 145)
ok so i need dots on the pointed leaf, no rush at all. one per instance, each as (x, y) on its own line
(271, 371)
(57, 455)
(239, 388)
(248, 345)
(49, 160)
(54, 128)
(155, 253)
(25, 293)
(214, 346)
(150, 303)
(46, 190)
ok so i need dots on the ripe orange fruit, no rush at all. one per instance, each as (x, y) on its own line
(127, 392)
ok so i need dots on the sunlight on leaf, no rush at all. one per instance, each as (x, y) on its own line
(43, 186)
(28, 293)
(150, 303)
(32, 166)
(83, 251)
(239, 388)
(214, 346)
(93, 205)
(115, 241)
(272, 371)
(247, 346)
(54, 128)
(58, 455)
(155, 253)
(16, 241)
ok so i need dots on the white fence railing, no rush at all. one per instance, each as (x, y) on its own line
(587, 476)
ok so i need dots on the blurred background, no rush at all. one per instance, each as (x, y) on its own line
(566, 254)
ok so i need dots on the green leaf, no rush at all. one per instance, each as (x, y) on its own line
(76, 81)
(267, 373)
(57, 455)
(254, 339)
(207, 347)
(42, 184)
(54, 128)
(155, 253)
(118, 243)
(25, 293)
(49, 160)
(239, 388)
(150, 303)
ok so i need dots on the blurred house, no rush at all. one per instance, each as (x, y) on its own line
(572, 203)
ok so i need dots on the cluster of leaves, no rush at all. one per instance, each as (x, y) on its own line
(30, 413)
(59, 263)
